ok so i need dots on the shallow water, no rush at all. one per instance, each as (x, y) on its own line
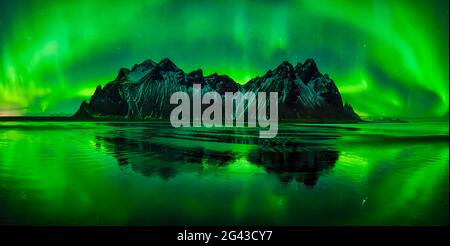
(112, 173)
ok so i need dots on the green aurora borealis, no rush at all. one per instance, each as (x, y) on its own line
(388, 58)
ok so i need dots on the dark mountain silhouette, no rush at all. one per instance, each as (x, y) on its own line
(305, 94)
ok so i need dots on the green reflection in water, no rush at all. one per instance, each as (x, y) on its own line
(69, 173)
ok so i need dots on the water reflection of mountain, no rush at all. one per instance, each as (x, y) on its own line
(285, 158)
(150, 158)
(302, 165)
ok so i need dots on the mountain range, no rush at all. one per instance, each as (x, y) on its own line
(143, 92)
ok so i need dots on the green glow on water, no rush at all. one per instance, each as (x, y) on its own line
(72, 173)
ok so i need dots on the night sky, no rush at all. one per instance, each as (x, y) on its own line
(388, 58)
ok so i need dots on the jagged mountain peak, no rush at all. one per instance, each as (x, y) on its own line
(285, 70)
(309, 64)
(194, 77)
(167, 65)
(144, 91)
(123, 74)
(145, 65)
(196, 73)
(285, 65)
(136, 73)
(221, 83)
(219, 76)
(155, 71)
(308, 70)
